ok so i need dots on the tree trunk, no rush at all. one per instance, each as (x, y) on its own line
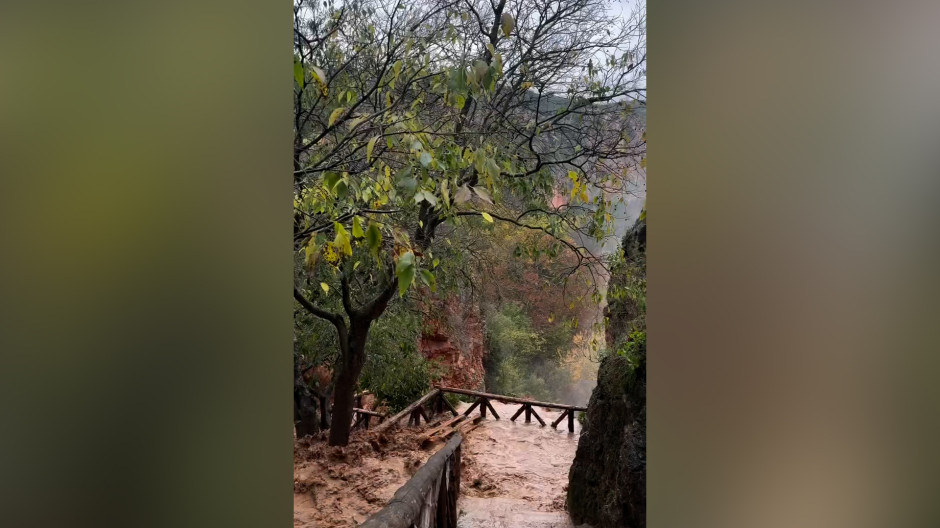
(344, 390)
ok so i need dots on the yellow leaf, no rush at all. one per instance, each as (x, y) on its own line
(335, 115)
(507, 22)
(325, 286)
(330, 254)
(487, 217)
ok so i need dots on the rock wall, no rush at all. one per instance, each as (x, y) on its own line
(453, 338)
(607, 480)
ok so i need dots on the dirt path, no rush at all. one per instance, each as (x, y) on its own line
(516, 474)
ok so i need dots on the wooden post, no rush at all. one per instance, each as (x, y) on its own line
(560, 418)
(492, 410)
(528, 413)
(368, 419)
(570, 421)
(446, 404)
(416, 416)
(323, 421)
(537, 417)
(513, 419)
(471, 408)
(483, 406)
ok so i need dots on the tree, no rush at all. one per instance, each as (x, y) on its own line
(416, 120)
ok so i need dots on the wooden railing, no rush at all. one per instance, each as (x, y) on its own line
(438, 404)
(416, 412)
(363, 417)
(528, 406)
(429, 499)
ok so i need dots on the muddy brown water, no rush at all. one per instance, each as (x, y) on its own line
(516, 473)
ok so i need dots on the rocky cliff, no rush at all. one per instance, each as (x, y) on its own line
(607, 481)
(453, 339)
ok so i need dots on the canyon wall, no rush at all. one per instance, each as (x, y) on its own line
(453, 339)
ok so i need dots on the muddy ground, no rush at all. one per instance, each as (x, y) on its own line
(341, 486)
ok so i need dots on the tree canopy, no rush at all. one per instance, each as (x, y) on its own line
(422, 122)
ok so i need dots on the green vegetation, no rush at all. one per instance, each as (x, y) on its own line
(626, 311)
(395, 371)
(522, 360)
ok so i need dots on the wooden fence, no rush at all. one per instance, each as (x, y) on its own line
(528, 406)
(429, 499)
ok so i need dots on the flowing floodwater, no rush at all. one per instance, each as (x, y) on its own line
(516, 473)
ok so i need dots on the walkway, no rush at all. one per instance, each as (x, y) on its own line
(516, 472)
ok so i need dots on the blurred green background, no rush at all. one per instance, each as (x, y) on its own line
(145, 206)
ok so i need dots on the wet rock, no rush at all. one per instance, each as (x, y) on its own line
(607, 481)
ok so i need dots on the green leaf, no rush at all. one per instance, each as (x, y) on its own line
(427, 197)
(335, 115)
(374, 238)
(369, 148)
(330, 179)
(406, 181)
(340, 189)
(325, 286)
(491, 168)
(487, 217)
(507, 22)
(425, 159)
(357, 227)
(405, 270)
(299, 73)
(458, 80)
(428, 278)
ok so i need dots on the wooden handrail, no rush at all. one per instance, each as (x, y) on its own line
(511, 399)
(429, 498)
(370, 413)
